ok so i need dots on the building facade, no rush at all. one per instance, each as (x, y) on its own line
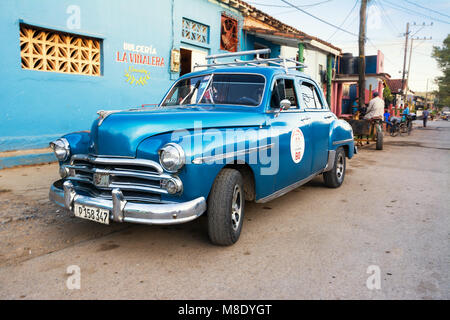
(345, 83)
(65, 60)
(319, 57)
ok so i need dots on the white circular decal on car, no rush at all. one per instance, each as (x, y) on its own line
(297, 145)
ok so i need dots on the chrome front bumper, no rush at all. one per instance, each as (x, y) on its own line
(123, 211)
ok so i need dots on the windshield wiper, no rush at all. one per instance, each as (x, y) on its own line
(190, 94)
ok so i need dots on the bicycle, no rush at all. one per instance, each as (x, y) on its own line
(406, 125)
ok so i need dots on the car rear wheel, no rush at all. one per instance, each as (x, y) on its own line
(226, 208)
(335, 177)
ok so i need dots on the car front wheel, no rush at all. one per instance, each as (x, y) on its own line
(226, 208)
(335, 177)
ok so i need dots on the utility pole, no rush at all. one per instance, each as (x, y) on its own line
(409, 68)
(404, 91)
(410, 57)
(409, 63)
(405, 84)
(362, 56)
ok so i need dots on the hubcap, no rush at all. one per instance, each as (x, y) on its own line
(236, 207)
(340, 167)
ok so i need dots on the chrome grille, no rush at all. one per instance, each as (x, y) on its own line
(139, 178)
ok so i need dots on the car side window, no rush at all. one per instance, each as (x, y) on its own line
(277, 93)
(310, 96)
(319, 104)
(284, 89)
(307, 95)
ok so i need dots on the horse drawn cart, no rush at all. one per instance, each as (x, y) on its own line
(367, 131)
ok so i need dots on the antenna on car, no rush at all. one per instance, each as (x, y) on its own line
(257, 61)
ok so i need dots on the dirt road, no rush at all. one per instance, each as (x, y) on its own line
(313, 243)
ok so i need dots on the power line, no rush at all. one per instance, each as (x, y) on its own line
(423, 54)
(381, 45)
(290, 11)
(280, 6)
(412, 12)
(418, 5)
(373, 45)
(393, 42)
(343, 22)
(386, 15)
(317, 18)
(419, 44)
(337, 27)
(417, 31)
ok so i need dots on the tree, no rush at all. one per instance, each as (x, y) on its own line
(387, 95)
(442, 55)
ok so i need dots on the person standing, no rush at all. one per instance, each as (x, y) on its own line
(405, 113)
(425, 114)
(375, 108)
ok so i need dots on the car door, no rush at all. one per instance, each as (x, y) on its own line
(293, 130)
(321, 118)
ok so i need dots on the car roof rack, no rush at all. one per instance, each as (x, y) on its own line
(257, 61)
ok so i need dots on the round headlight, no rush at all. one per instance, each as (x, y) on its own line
(172, 157)
(61, 149)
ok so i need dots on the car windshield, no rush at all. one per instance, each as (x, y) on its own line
(230, 89)
(187, 91)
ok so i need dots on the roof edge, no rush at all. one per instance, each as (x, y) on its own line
(248, 10)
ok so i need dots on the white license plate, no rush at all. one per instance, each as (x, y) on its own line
(91, 213)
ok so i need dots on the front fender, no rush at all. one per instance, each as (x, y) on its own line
(198, 176)
(78, 142)
(341, 134)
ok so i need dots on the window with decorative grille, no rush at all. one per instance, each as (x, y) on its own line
(54, 51)
(195, 31)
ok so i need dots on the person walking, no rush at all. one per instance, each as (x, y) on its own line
(425, 114)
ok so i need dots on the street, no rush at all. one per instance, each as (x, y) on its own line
(313, 243)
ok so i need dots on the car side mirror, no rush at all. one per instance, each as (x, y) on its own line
(285, 104)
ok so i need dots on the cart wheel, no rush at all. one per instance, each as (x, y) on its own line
(403, 128)
(394, 131)
(379, 139)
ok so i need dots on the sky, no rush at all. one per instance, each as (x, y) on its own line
(386, 27)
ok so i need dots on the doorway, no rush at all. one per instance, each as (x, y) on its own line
(189, 58)
(185, 61)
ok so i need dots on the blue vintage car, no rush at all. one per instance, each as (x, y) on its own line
(231, 133)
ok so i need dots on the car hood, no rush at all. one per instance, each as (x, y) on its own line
(120, 133)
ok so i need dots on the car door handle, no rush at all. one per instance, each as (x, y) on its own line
(328, 117)
(305, 118)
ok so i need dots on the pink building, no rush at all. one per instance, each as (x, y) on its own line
(345, 84)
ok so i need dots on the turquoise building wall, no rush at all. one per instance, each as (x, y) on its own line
(37, 107)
